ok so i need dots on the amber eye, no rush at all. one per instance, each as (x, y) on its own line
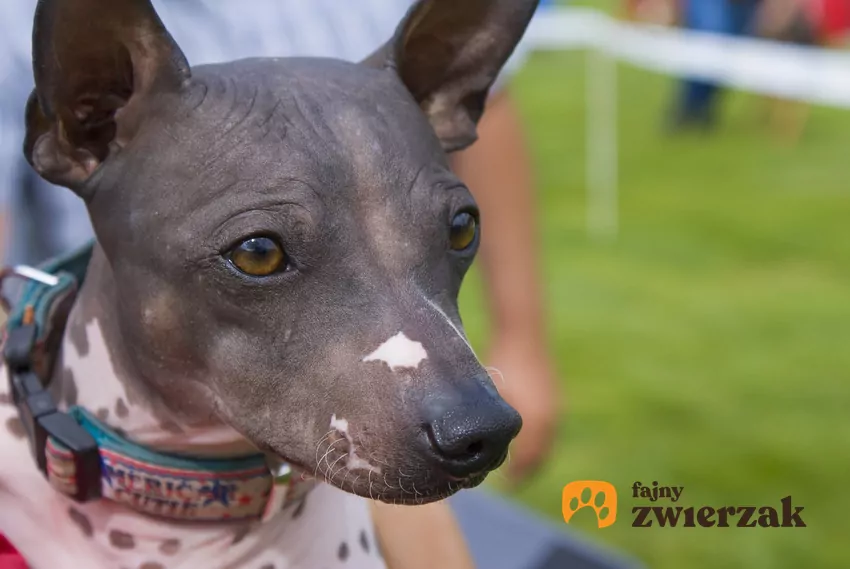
(258, 257)
(463, 230)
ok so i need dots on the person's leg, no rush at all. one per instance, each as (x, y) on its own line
(697, 97)
(705, 96)
(498, 171)
(789, 116)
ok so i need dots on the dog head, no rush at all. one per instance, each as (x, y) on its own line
(285, 236)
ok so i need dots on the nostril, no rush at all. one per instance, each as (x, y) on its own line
(432, 436)
(455, 449)
(475, 448)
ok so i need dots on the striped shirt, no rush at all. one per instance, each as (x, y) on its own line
(44, 220)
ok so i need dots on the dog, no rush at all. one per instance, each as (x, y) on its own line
(266, 336)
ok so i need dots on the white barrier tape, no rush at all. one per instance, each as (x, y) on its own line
(790, 71)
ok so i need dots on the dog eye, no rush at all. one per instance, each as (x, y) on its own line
(258, 257)
(463, 230)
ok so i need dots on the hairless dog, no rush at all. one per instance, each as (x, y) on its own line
(280, 246)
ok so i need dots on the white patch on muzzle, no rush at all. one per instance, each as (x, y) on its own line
(352, 462)
(399, 352)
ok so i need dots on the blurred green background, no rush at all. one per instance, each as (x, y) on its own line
(709, 346)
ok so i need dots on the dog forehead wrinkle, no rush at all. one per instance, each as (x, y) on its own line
(322, 114)
(338, 141)
(308, 98)
(399, 352)
(229, 113)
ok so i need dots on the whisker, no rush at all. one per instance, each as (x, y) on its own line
(353, 482)
(331, 466)
(373, 458)
(319, 445)
(500, 475)
(387, 484)
(494, 371)
(325, 458)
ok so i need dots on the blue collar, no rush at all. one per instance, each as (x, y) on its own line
(86, 460)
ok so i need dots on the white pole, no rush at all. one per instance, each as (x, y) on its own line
(601, 132)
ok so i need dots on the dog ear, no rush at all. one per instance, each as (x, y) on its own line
(448, 53)
(95, 63)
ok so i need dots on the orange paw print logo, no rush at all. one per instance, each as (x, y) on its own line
(594, 494)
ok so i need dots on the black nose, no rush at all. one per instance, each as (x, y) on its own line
(472, 437)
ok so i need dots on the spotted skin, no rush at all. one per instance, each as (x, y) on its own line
(121, 409)
(170, 546)
(108, 535)
(82, 521)
(121, 539)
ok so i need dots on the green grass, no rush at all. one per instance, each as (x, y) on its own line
(709, 346)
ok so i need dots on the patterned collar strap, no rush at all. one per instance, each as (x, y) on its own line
(86, 460)
(176, 487)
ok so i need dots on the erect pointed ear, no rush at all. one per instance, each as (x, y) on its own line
(95, 63)
(449, 52)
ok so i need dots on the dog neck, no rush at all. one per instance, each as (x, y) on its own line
(93, 371)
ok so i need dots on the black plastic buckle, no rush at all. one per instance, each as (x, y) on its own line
(41, 418)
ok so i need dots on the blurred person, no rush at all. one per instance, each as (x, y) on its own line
(796, 22)
(39, 221)
(696, 102)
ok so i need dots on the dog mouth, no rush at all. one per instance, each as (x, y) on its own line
(342, 463)
(346, 461)
(404, 490)
(469, 482)
(450, 488)
(341, 468)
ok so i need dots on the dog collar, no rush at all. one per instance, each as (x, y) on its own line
(86, 460)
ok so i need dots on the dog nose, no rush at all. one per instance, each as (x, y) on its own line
(472, 437)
